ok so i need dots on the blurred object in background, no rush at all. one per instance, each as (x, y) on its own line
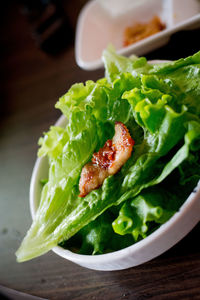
(130, 26)
(50, 26)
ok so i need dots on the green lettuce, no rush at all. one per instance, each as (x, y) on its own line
(160, 106)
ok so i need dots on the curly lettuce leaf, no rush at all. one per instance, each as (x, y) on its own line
(154, 206)
(98, 237)
(115, 64)
(91, 114)
(60, 194)
(136, 215)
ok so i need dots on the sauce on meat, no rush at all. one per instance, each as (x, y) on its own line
(105, 156)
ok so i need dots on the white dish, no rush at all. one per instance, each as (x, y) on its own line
(155, 244)
(97, 27)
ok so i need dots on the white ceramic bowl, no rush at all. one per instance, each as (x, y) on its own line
(155, 244)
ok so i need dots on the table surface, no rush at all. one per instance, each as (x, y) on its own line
(31, 82)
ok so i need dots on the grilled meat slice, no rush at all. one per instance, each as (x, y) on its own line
(107, 161)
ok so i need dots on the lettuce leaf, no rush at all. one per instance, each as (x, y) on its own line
(144, 213)
(116, 65)
(157, 105)
(136, 214)
(98, 237)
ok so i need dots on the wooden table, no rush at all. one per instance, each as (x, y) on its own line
(31, 83)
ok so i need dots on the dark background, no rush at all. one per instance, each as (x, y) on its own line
(37, 67)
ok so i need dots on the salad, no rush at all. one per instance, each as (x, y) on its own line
(159, 106)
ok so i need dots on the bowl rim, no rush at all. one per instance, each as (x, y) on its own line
(191, 204)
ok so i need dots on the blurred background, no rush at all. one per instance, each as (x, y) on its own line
(37, 67)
